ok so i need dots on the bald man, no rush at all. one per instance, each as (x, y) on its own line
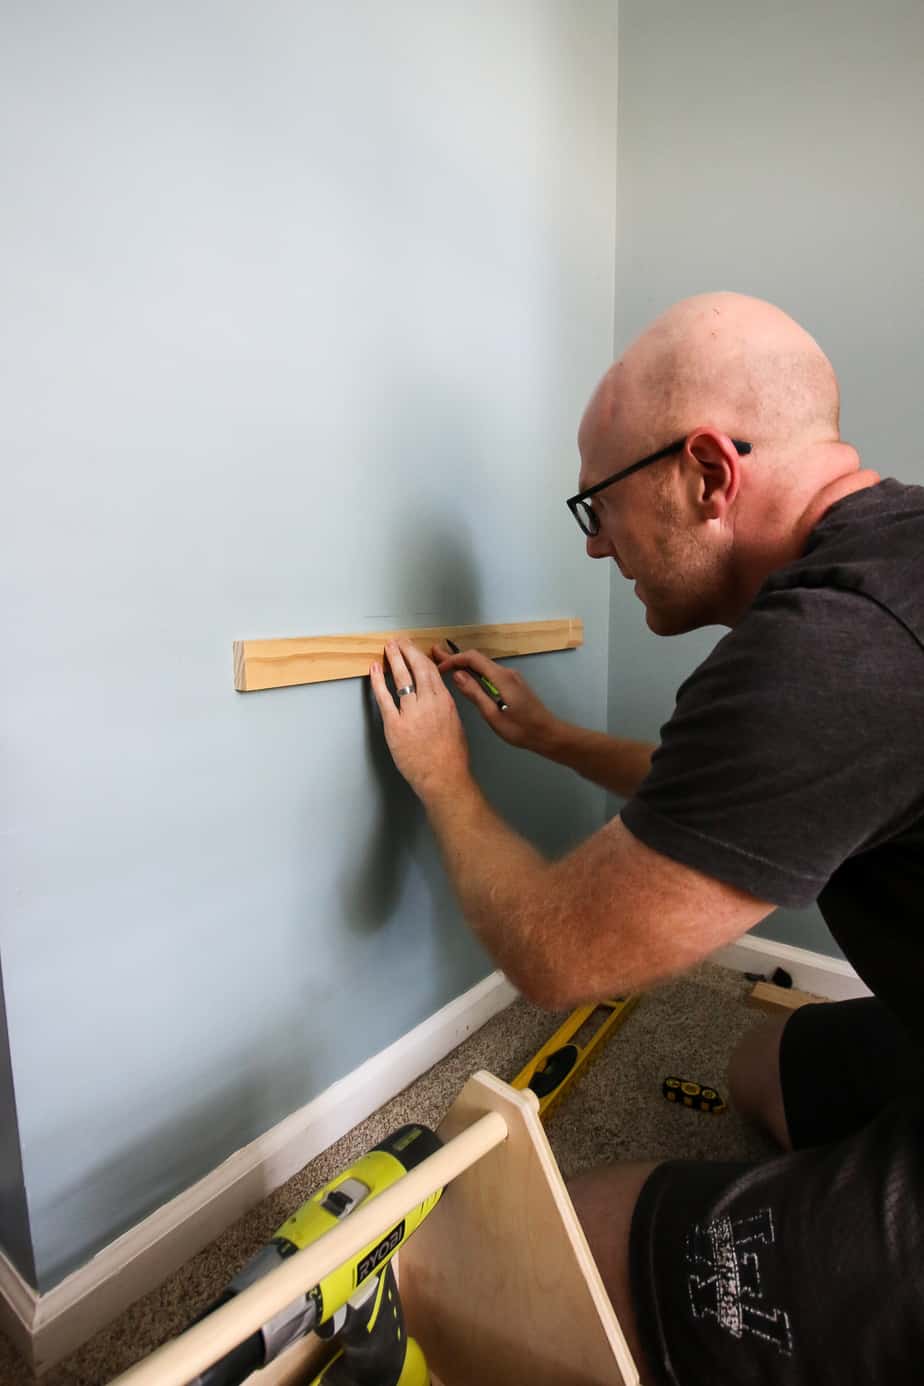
(792, 770)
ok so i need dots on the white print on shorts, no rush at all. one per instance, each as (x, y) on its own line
(725, 1278)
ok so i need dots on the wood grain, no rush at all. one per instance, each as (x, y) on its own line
(260, 664)
(768, 997)
(499, 1285)
(297, 1366)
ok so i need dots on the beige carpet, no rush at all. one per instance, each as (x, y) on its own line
(613, 1111)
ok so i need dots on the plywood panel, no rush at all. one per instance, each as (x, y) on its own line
(297, 1366)
(499, 1284)
(260, 664)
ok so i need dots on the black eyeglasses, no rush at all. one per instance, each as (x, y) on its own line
(585, 514)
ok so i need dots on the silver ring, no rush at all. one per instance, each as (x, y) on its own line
(408, 688)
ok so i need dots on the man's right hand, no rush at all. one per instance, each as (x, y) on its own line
(526, 721)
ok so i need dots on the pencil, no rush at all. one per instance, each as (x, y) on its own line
(491, 690)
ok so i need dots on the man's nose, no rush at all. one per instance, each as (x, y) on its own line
(597, 546)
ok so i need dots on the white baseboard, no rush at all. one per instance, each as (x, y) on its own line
(17, 1308)
(48, 1327)
(815, 972)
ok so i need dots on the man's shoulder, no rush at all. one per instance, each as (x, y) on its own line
(809, 641)
(796, 619)
(881, 521)
(869, 547)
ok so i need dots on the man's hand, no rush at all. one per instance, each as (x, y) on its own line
(424, 732)
(526, 721)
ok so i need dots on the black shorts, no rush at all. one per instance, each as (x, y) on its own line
(806, 1269)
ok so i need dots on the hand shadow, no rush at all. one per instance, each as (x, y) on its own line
(436, 582)
(374, 887)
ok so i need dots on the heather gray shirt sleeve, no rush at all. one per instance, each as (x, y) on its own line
(794, 746)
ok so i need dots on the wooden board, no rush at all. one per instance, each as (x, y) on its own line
(262, 664)
(768, 997)
(499, 1285)
(297, 1366)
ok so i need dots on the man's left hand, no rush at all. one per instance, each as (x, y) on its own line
(424, 731)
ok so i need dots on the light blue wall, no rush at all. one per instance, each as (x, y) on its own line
(301, 306)
(778, 151)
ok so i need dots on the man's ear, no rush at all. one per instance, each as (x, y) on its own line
(715, 471)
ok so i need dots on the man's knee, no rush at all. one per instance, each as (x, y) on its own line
(604, 1200)
(754, 1079)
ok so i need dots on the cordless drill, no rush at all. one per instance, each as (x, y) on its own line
(358, 1302)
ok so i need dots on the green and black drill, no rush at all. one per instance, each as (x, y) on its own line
(358, 1303)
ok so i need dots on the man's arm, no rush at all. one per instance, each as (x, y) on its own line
(610, 917)
(614, 762)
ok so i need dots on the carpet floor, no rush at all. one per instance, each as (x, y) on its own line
(613, 1111)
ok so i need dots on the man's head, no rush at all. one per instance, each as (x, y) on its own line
(699, 530)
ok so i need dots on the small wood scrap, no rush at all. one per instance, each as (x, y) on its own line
(772, 998)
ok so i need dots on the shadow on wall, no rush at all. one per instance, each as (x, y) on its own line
(434, 561)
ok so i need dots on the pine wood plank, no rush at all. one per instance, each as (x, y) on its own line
(260, 664)
(768, 997)
(499, 1284)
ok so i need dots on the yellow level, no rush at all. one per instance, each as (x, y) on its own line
(558, 1061)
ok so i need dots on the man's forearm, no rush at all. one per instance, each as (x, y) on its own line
(614, 762)
(502, 883)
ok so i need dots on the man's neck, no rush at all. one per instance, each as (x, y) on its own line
(821, 502)
(791, 537)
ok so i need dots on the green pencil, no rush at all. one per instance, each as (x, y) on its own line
(486, 684)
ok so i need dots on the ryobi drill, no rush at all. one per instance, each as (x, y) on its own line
(357, 1303)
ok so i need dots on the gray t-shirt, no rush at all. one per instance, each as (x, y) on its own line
(793, 764)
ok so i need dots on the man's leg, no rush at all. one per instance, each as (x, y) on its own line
(754, 1079)
(605, 1199)
(727, 1257)
(872, 1054)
